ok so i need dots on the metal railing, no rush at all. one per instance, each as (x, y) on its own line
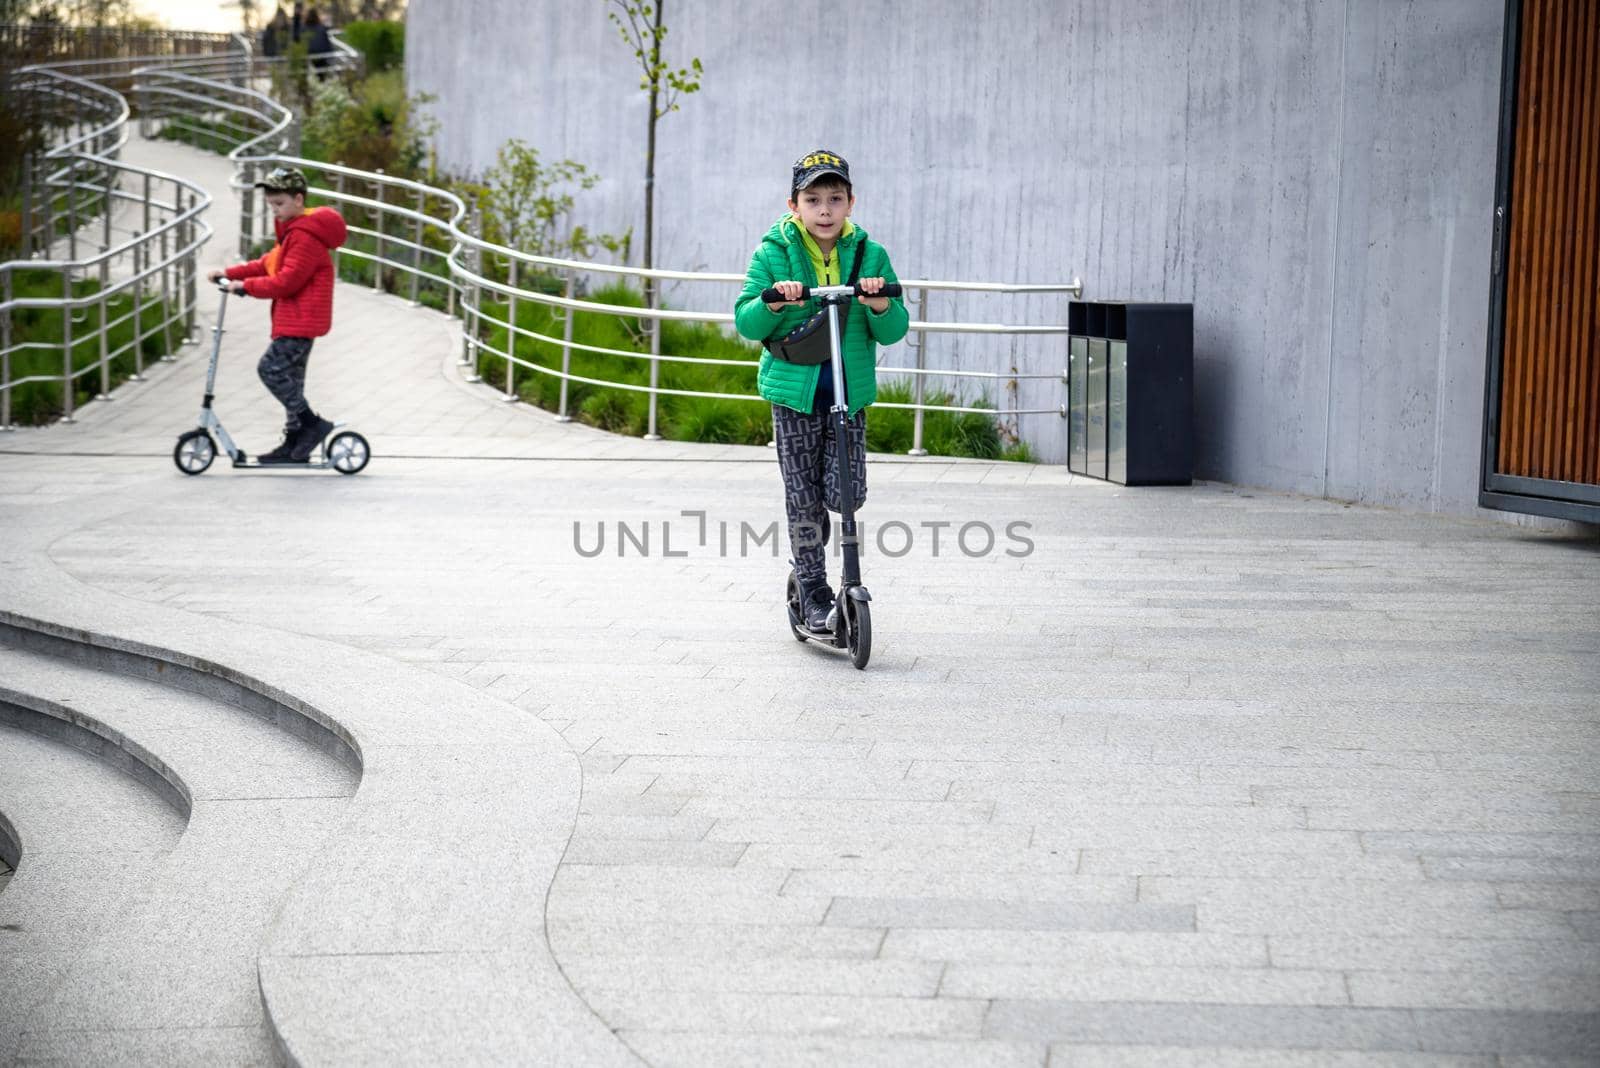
(60, 45)
(411, 227)
(115, 241)
(427, 243)
(118, 243)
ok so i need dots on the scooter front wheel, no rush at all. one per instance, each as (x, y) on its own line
(857, 629)
(194, 452)
(348, 452)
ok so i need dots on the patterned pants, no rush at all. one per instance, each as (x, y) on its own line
(283, 372)
(808, 456)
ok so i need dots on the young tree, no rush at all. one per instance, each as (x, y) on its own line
(642, 26)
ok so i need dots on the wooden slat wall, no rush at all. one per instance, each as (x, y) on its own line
(1550, 374)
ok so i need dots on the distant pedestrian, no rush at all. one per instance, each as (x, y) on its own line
(320, 46)
(275, 36)
(297, 23)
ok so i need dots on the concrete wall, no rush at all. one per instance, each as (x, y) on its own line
(1316, 176)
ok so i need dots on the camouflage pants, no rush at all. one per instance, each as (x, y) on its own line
(283, 372)
(808, 457)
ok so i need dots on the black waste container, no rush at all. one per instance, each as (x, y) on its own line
(1130, 392)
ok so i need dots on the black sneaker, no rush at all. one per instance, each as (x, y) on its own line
(284, 453)
(312, 430)
(819, 608)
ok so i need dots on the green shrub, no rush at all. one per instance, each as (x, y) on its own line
(708, 419)
(381, 44)
(943, 433)
(621, 411)
(371, 126)
(36, 403)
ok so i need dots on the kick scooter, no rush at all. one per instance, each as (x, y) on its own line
(850, 623)
(343, 450)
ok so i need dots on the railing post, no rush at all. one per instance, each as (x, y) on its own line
(66, 347)
(566, 347)
(511, 330)
(166, 302)
(378, 218)
(469, 300)
(141, 257)
(917, 387)
(416, 245)
(105, 365)
(191, 273)
(247, 210)
(105, 231)
(27, 216)
(72, 210)
(338, 187)
(47, 205)
(653, 300)
(450, 288)
(5, 360)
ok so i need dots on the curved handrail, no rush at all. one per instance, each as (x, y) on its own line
(154, 265)
(266, 134)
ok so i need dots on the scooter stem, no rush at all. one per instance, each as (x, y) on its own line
(849, 546)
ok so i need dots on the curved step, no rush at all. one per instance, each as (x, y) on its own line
(83, 836)
(171, 973)
(417, 935)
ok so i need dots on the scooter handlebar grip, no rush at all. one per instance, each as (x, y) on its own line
(770, 295)
(890, 289)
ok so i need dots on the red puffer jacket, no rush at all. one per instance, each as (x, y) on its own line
(297, 275)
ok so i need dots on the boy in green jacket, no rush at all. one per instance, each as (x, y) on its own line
(816, 244)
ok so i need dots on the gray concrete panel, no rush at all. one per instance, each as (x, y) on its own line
(1317, 178)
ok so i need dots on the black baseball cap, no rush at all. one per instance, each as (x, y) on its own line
(284, 180)
(812, 166)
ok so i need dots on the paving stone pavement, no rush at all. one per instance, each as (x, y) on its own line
(1188, 776)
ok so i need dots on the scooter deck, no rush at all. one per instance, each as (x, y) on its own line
(244, 460)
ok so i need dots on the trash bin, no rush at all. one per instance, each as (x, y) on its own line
(1130, 392)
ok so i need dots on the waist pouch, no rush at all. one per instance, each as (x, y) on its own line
(807, 344)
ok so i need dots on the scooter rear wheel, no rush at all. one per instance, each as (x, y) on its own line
(194, 452)
(791, 607)
(348, 452)
(857, 619)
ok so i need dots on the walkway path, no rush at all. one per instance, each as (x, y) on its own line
(1189, 776)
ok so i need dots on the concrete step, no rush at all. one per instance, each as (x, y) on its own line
(160, 962)
(415, 935)
(90, 835)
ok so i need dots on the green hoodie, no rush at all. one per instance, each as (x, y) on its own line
(782, 256)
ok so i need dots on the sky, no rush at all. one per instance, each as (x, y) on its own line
(194, 14)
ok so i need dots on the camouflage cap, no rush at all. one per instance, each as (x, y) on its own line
(814, 166)
(284, 180)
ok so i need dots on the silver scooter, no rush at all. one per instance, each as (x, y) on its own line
(345, 451)
(850, 624)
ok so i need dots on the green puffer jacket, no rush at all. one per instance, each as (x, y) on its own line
(781, 256)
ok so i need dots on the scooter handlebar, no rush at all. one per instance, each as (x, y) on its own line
(772, 296)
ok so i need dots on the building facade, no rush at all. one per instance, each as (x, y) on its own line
(1318, 177)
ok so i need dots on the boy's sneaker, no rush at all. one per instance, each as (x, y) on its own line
(284, 453)
(313, 428)
(819, 608)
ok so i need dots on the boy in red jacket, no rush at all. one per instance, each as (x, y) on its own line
(297, 276)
